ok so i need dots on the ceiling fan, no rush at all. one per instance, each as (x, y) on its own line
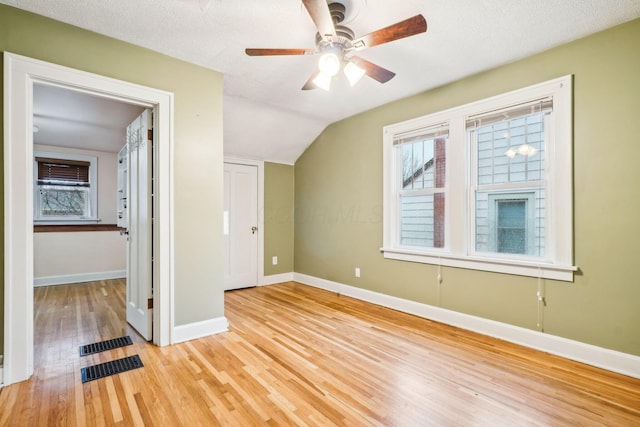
(336, 44)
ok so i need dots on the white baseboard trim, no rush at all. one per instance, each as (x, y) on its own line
(276, 278)
(600, 357)
(78, 278)
(197, 330)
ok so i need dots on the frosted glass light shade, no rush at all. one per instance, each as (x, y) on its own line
(329, 64)
(353, 73)
(323, 81)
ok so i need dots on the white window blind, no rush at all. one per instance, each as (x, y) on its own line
(421, 134)
(537, 106)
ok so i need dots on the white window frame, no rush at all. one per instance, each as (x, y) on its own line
(459, 248)
(92, 215)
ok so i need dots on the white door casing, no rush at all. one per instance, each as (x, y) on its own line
(20, 74)
(240, 225)
(139, 249)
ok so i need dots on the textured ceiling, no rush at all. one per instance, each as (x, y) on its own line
(463, 37)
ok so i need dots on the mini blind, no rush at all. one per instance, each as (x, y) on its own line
(542, 105)
(63, 172)
(423, 134)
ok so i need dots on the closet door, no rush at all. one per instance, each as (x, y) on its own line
(240, 225)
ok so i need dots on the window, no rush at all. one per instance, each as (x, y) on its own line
(64, 188)
(486, 186)
(509, 178)
(422, 193)
(508, 226)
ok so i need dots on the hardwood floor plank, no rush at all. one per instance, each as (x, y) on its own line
(295, 355)
(114, 404)
(129, 395)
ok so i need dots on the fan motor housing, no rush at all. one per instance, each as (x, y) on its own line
(345, 34)
(337, 11)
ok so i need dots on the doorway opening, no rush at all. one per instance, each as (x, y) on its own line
(21, 74)
(81, 271)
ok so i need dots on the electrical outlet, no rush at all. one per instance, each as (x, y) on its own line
(357, 271)
(274, 260)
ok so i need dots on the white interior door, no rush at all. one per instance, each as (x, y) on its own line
(240, 225)
(123, 187)
(139, 212)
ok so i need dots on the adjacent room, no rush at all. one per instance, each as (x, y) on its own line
(320, 212)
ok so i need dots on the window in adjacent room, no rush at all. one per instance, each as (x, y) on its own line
(485, 186)
(65, 188)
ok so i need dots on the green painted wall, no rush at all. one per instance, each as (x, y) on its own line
(198, 142)
(2, 209)
(278, 217)
(338, 200)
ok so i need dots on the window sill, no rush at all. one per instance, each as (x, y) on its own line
(64, 228)
(519, 268)
(64, 221)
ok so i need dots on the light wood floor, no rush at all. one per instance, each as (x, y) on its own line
(296, 355)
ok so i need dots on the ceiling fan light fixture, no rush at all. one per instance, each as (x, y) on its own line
(323, 81)
(329, 64)
(335, 43)
(353, 73)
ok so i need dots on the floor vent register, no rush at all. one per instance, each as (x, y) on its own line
(112, 367)
(105, 345)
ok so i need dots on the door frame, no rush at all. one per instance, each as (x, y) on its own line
(260, 165)
(20, 74)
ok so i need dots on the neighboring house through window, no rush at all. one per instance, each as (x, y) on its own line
(486, 186)
(510, 225)
(509, 178)
(422, 197)
(65, 188)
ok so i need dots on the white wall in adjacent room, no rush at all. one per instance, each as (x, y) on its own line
(67, 257)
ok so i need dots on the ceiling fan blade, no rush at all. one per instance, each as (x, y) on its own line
(267, 52)
(309, 84)
(321, 17)
(408, 27)
(372, 70)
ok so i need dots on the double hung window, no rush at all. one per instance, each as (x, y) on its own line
(423, 160)
(64, 188)
(486, 186)
(508, 178)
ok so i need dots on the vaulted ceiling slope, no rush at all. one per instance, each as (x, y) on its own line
(463, 38)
